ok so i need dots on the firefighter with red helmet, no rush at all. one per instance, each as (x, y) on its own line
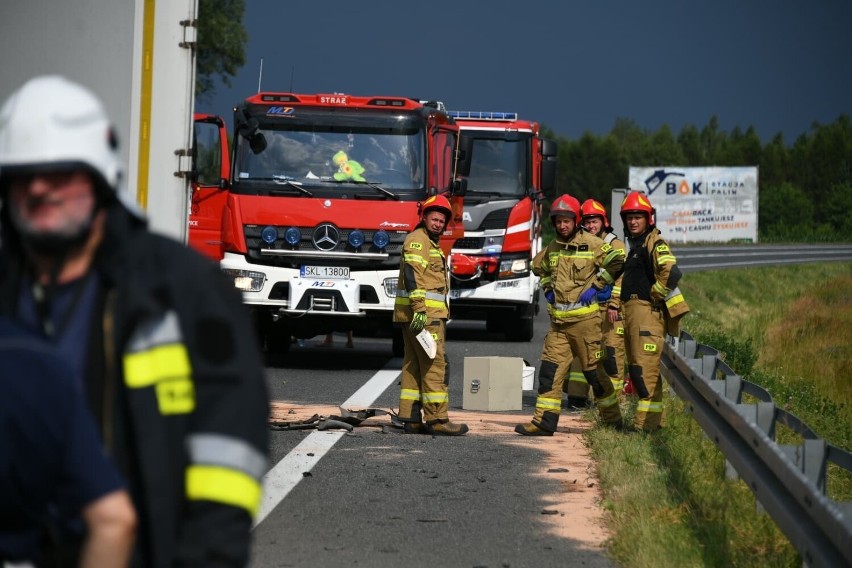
(573, 268)
(421, 303)
(652, 305)
(595, 221)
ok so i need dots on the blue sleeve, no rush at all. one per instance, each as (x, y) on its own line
(87, 472)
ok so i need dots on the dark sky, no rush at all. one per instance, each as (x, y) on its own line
(572, 65)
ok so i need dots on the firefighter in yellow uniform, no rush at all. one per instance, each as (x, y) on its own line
(421, 303)
(573, 268)
(652, 305)
(595, 221)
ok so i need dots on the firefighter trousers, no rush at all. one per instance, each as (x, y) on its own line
(423, 390)
(565, 342)
(644, 338)
(613, 359)
(612, 364)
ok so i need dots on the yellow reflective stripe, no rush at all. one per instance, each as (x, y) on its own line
(409, 394)
(607, 401)
(576, 254)
(435, 397)
(175, 396)
(545, 281)
(416, 259)
(591, 308)
(618, 384)
(164, 362)
(674, 300)
(418, 293)
(548, 403)
(576, 376)
(606, 276)
(665, 259)
(223, 485)
(660, 289)
(402, 301)
(435, 304)
(612, 256)
(616, 291)
(649, 406)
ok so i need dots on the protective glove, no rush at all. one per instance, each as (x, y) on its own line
(604, 295)
(418, 322)
(588, 296)
(549, 296)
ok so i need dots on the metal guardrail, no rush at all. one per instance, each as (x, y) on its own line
(788, 481)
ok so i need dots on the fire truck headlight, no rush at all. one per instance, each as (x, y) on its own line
(381, 239)
(246, 280)
(513, 267)
(356, 238)
(292, 236)
(389, 284)
(269, 235)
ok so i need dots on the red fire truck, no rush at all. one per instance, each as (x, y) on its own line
(322, 191)
(512, 167)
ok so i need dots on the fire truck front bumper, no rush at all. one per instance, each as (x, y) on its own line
(288, 291)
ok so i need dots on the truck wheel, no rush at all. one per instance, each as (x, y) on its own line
(397, 344)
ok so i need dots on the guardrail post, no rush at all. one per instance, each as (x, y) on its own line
(810, 458)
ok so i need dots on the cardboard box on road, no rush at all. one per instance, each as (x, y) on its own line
(492, 383)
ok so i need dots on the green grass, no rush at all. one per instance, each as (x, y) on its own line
(668, 502)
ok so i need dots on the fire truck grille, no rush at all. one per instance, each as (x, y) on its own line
(468, 243)
(498, 219)
(333, 240)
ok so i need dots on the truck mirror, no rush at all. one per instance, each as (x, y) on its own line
(257, 142)
(459, 187)
(548, 166)
(464, 152)
(224, 184)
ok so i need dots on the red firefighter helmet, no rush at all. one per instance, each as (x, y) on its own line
(565, 205)
(637, 202)
(592, 208)
(438, 202)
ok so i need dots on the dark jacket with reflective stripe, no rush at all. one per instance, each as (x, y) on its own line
(187, 414)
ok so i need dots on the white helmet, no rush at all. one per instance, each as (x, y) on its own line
(53, 123)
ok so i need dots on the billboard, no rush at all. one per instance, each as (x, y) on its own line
(713, 204)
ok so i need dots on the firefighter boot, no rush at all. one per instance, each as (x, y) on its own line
(531, 429)
(447, 428)
(414, 428)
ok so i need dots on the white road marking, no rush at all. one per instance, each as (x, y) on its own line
(287, 473)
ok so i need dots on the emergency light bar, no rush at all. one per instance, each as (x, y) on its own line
(483, 115)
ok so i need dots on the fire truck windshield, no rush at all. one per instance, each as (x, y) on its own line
(330, 154)
(499, 167)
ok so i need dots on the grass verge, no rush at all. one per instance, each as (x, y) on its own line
(666, 496)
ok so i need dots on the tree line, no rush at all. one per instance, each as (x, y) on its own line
(805, 189)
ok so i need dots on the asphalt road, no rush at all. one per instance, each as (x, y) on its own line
(382, 499)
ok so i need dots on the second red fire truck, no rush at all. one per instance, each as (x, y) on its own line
(512, 168)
